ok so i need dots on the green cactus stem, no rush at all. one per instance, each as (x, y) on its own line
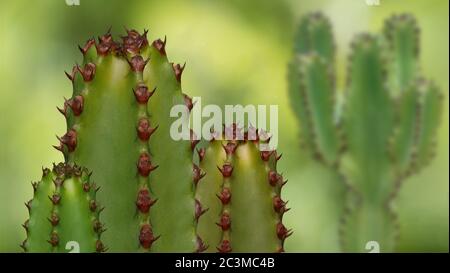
(118, 126)
(63, 209)
(312, 87)
(242, 191)
(387, 126)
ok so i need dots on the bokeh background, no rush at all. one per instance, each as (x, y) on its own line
(236, 53)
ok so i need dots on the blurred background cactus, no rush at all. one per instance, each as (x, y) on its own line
(239, 56)
(379, 131)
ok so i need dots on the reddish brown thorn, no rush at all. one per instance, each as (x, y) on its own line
(93, 205)
(251, 134)
(100, 210)
(28, 205)
(282, 232)
(87, 46)
(278, 157)
(225, 221)
(86, 187)
(274, 177)
(59, 148)
(265, 155)
(106, 44)
(25, 225)
(55, 198)
(87, 72)
(45, 172)
(76, 104)
(54, 239)
(197, 174)
(200, 245)
(71, 77)
(194, 139)
(34, 185)
(144, 202)
(230, 148)
(226, 170)
(224, 196)
(22, 245)
(225, 247)
(279, 205)
(138, 63)
(61, 169)
(69, 139)
(97, 226)
(160, 45)
(188, 102)
(133, 42)
(201, 153)
(199, 211)
(142, 94)
(263, 135)
(62, 110)
(99, 247)
(144, 131)
(54, 219)
(178, 69)
(77, 171)
(104, 48)
(144, 165)
(146, 237)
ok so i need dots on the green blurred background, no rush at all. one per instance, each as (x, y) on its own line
(236, 53)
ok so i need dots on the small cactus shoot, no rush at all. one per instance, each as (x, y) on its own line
(64, 209)
(242, 191)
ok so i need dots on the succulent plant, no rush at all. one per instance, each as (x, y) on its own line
(242, 192)
(118, 125)
(63, 209)
(381, 130)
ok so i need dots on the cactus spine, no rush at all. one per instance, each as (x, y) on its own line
(383, 132)
(63, 209)
(242, 191)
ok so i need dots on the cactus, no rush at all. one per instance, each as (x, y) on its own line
(118, 125)
(63, 209)
(242, 191)
(382, 132)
